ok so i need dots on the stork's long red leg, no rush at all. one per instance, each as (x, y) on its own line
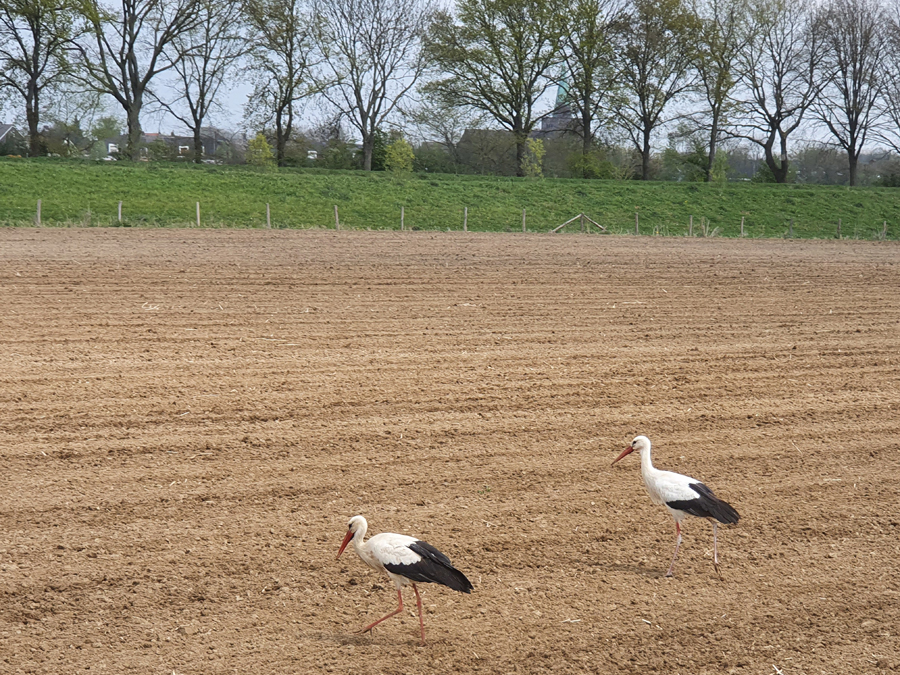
(421, 620)
(677, 544)
(396, 611)
(716, 549)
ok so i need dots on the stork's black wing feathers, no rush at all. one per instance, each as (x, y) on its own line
(434, 567)
(706, 505)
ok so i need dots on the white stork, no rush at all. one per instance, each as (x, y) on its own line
(681, 495)
(406, 560)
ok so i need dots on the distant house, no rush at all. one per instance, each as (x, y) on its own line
(11, 141)
(215, 143)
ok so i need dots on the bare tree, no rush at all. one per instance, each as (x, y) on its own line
(890, 131)
(126, 51)
(855, 58)
(280, 63)
(779, 77)
(591, 84)
(372, 57)
(202, 59)
(34, 35)
(721, 39)
(444, 123)
(496, 56)
(655, 68)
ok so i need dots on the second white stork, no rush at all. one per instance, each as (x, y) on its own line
(406, 560)
(682, 496)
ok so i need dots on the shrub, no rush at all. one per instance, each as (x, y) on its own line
(259, 152)
(399, 156)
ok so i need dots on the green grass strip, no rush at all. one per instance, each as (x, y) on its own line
(80, 193)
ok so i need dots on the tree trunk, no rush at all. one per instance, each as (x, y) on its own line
(779, 171)
(32, 115)
(198, 146)
(713, 137)
(520, 154)
(645, 156)
(586, 145)
(852, 160)
(280, 140)
(133, 144)
(32, 105)
(368, 150)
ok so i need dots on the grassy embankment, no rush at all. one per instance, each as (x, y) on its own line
(165, 195)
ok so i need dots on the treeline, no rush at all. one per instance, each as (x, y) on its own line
(758, 77)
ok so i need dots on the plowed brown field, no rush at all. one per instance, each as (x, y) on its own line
(189, 418)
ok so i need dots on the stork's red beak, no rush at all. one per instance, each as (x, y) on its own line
(344, 543)
(626, 451)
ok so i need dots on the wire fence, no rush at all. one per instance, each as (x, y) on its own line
(584, 223)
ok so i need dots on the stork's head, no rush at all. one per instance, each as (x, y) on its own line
(354, 525)
(640, 443)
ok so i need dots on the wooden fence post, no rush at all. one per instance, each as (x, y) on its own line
(120, 212)
(402, 216)
(691, 226)
(742, 226)
(791, 229)
(839, 229)
(337, 222)
(884, 231)
(523, 220)
(465, 219)
(268, 217)
(198, 214)
(37, 219)
(636, 226)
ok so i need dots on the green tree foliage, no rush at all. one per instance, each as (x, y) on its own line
(533, 165)
(127, 49)
(34, 35)
(857, 48)
(279, 64)
(338, 154)
(209, 55)
(591, 85)
(371, 58)
(380, 142)
(720, 40)
(259, 152)
(433, 158)
(443, 124)
(655, 68)
(399, 156)
(160, 151)
(65, 140)
(106, 127)
(496, 56)
(718, 174)
(336, 151)
(686, 166)
(593, 165)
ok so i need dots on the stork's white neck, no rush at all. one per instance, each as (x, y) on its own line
(647, 468)
(362, 548)
(651, 475)
(360, 535)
